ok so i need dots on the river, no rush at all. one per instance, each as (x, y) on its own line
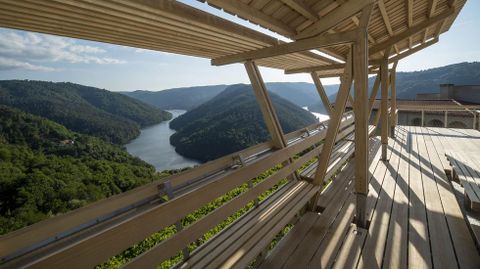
(153, 146)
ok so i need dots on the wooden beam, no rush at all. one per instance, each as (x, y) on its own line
(407, 53)
(268, 111)
(393, 87)
(360, 107)
(323, 95)
(409, 19)
(411, 31)
(245, 11)
(341, 13)
(362, 114)
(270, 116)
(334, 123)
(432, 5)
(302, 8)
(386, 20)
(318, 68)
(287, 48)
(384, 106)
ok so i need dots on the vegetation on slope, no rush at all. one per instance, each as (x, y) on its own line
(428, 81)
(230, 122)
(111, 116)
(47, 169)
(178, 98)
(409, 84)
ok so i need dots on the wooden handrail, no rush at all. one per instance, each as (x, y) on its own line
(21, 241)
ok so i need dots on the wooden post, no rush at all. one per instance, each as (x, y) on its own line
(269, 115)
(362, 113)
(474, 119)
(423, 118)
(445, 119)
(333, 125)
(384, 106)
(393, 87)
(321, 92)
(266, 106)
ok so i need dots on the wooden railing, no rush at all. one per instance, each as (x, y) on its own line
(95, 233)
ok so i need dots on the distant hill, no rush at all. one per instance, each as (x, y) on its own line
(300, 93)
(112, 116)
(428, 81)
(178, 98)
(230, 122)
(47, 169)
(409, 84)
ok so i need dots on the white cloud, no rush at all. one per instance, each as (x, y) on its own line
(86, 49)
(30, 50)
(11, 64)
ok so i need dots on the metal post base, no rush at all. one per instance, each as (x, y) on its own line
(360, 217)
(384, 152)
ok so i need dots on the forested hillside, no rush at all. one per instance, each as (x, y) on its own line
(300, 93)
(179, 98)
(47, 169)
(230, 122)
(112, 116)
(428, 81)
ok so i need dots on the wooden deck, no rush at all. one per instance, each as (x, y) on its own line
(415, 218)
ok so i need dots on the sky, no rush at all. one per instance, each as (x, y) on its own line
(27, 55)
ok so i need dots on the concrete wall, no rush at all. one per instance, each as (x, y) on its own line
(435, 119)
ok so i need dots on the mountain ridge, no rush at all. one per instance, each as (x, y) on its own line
(112, 116)
(231, 121)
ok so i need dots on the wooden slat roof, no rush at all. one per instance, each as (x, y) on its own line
(170, 26)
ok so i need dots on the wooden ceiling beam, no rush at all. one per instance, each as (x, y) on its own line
(432, 5)
(287, 48)
(407, 53)
(341, 13)
(410, 19)
(254, 15)
(411, 31)
(386, 21)
(315, 68)
(300, 7)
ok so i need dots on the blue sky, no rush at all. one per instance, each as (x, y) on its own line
(26, 55)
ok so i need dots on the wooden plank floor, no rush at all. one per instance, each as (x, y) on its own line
(415, 218)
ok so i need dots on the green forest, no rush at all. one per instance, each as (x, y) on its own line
(48, 170)
(111, 116)
(231, 122)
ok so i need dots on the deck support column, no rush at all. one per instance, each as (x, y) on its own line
(423, 118)
(393, 88)
(266, 106)
(384, 104)
(445, 119)
(362, 112)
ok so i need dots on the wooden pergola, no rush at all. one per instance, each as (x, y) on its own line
(329, 38)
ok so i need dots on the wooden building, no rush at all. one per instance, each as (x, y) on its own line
(356, 200)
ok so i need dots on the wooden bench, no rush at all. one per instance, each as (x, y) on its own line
(249, 238)
(333, 199)
(466, 170)
(235, 246)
